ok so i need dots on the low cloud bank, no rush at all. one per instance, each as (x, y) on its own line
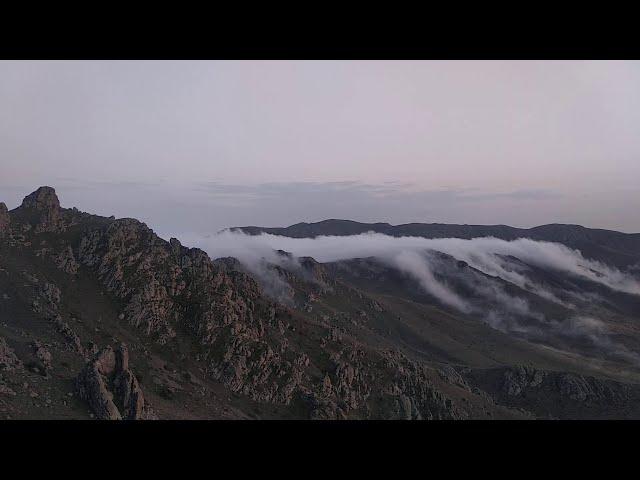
(414, 256)
(483, 253)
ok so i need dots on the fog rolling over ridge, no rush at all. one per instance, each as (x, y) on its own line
(381, 327)
(493, 280)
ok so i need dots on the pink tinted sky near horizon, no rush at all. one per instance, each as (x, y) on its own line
(198, 146)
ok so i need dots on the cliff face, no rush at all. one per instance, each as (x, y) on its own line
(42, 209)
(202, 338)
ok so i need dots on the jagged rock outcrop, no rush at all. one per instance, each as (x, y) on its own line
(240, 336)
(66, 261)
(416, 395)
(378, 385)
(42, 208)
(451, 375)
(568, 386)
(8, 359)
(69, 335)
(243, 336)
(132, 262)
(47, 299)
(110, 387)
(43, 355)
(517, 380)
(313, 270)
(8, 363)
(5, 220)
(551, 394)
(166, 286)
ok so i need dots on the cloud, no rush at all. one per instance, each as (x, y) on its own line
(492, 260)
(418, 267)
(483, 253)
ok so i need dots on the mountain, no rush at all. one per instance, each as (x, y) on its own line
(101, 318)
(616, 248)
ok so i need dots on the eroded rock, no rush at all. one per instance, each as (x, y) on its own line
(66, 261)
(69, 334)
(111, 389)
(44, 209)
(43, 355)
(8, 359)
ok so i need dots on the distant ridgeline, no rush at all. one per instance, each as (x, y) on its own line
(615, 248)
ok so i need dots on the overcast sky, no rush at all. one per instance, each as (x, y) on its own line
(198, 146)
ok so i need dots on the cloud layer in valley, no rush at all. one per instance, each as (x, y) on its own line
(494, 261)
(483, 253)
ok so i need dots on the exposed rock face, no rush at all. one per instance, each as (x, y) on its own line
(43, 355)
(111, 389)
(315, 270)
(450, 375)
(403, 388)
(551, 394)
(8, 359)
(44, 207)
(517, 380)
(66, 261)
(70, 335)
(569, 386)
(43, 199)
(47, 299)
(165, 286)
(245, 339)
(4, 220)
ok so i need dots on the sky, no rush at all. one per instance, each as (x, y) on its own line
(196, 146)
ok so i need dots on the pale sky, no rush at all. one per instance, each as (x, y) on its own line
(197, 146)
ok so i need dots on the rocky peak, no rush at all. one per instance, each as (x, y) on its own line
(43, 199)
(43, 208)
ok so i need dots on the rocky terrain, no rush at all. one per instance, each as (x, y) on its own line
(100, 318)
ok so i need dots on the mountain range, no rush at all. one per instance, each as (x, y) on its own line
(101, 318)
(620, 249)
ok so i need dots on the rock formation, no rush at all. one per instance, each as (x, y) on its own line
(43, 355)
(8, 359)
(110, 388)
(42, 207)
(66, 261)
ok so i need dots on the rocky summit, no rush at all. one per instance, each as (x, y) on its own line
(101, 318)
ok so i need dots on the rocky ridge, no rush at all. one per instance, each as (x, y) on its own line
(321, 356)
